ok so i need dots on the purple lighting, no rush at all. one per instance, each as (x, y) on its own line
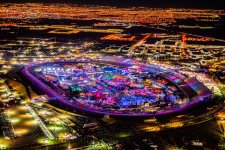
(116, 86)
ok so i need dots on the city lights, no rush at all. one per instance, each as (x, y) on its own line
(114, 76)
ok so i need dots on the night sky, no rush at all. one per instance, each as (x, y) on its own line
(212, 4)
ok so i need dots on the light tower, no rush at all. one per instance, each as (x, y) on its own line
(184, 43)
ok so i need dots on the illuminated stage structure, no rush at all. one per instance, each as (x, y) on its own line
(116, 86)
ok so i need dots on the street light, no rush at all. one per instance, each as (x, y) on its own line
(69, 147)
